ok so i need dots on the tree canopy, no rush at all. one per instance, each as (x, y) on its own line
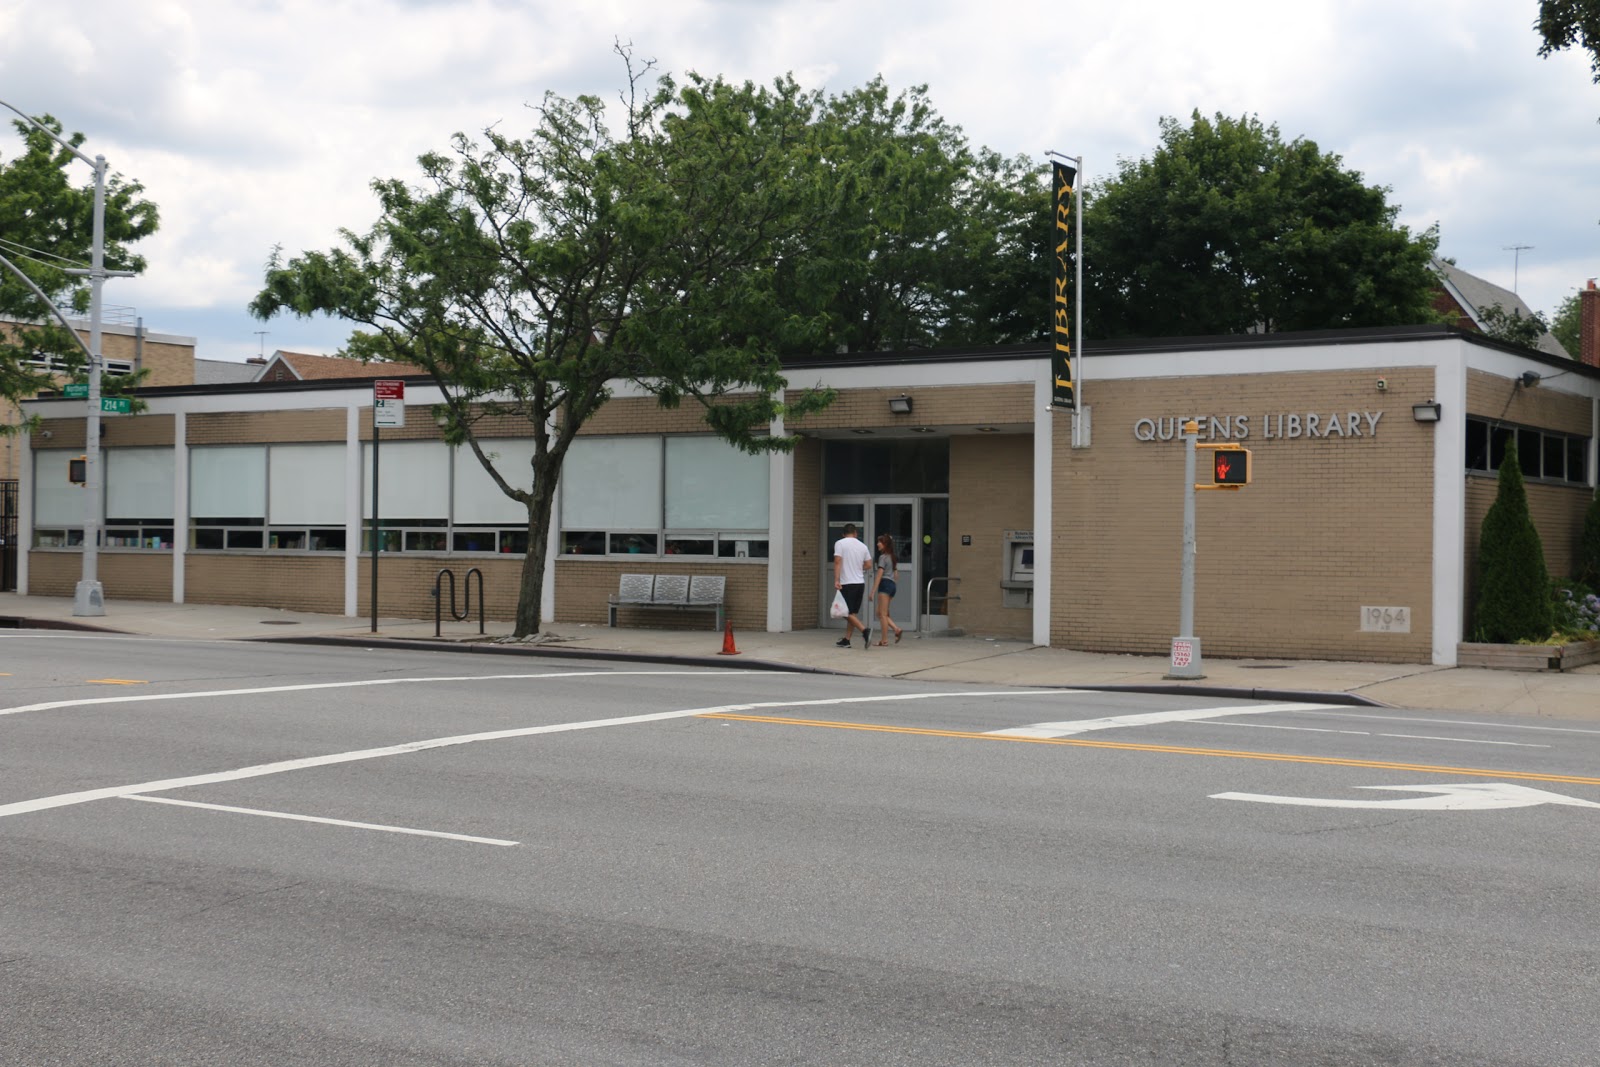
(684, 244)
(1227, 228)
(1567, 327)
(1513, 327)
(46, 216)
(1564, 24)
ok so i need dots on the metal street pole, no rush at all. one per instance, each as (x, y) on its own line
(89, 596)
(1186, 646)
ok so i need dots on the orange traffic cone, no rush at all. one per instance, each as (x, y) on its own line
(727, 641)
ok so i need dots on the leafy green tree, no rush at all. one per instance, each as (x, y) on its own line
(1512, 326)
(45, 227)
(1565, 23)
(1566, 326)
(1227, 228)
(928, 241)
(527, 274)
(1513, 595)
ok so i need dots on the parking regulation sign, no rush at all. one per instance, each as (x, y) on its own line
(388, 404)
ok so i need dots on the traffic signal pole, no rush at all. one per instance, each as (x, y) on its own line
(1185, 662)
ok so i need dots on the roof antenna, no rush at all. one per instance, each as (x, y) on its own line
(1516, 260)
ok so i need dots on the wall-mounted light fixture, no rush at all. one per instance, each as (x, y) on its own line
(1427, 412)
(859, 430)
(922, 429)
(900, 405)
(988, 429)
(1529, 379)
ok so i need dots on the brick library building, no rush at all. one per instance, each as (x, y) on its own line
(1374, 455)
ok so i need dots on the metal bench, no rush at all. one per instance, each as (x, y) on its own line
(676, 592)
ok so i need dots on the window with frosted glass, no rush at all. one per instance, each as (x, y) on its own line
(711, 485)
(612, 483)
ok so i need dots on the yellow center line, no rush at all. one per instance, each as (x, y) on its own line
(117, 681)
(1181, 750)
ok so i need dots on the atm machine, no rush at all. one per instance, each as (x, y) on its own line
(1016, 573)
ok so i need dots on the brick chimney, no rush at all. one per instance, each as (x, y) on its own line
(1589, 324)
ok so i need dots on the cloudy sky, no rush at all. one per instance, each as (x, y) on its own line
(255, 123)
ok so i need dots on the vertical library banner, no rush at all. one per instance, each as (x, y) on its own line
(1063, 385)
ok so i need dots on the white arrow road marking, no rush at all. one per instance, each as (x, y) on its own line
(1147, 718)
(1465, 796)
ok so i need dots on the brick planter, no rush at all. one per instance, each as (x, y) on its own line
(1528, 657)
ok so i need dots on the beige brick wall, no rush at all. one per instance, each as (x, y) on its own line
(807, 535)
(267, 427)
(623, 415)
(950, 405)
(991, 491)
(405, 583)
(124, 575)
(582, 587)
(1284, 565)
(294, 582)
(1492, 397)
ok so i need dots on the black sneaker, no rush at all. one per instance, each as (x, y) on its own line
(866, 639)
(843, 642)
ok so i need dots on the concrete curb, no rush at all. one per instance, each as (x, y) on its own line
(18, 622)
(619, 656)
(486, 648)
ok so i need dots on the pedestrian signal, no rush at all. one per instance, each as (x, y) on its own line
(1230, 466)
(78, 470)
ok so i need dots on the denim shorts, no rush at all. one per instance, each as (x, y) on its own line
(886, 585)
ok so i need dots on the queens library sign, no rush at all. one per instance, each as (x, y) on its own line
(1290, 426)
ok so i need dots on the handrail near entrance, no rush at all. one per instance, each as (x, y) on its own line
(927, 598)
(438, 601)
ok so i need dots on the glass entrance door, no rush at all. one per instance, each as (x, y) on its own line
(897, 516)
(898, 519)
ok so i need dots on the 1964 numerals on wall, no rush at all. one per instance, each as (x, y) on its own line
(1385, 620)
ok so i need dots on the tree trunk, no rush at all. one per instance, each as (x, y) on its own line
(530, 597)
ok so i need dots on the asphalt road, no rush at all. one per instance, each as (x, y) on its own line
(240, 854)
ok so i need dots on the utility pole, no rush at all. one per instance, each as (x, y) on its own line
(89, 596)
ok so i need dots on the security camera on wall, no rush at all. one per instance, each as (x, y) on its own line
(1383, 384)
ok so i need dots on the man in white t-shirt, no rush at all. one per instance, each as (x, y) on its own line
(851, 562)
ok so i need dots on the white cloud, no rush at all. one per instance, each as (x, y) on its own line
(259, 122)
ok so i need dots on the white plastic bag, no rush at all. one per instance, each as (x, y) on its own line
(840, 609)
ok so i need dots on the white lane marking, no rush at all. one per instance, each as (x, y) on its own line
(327, 822)
(1465, 722)
(1466, 796)
(86, 796)
(1369, 733)
(1466, 740)
(1149, 718)
(143, 697)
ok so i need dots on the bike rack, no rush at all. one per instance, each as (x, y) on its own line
(927, 599)
(438, 601)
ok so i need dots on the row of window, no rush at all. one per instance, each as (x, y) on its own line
(688, 496)
(1541, 454)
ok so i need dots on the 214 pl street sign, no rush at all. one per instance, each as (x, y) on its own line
(119, 404)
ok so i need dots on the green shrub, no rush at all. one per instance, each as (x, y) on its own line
(1576, 609)
(1513, 584)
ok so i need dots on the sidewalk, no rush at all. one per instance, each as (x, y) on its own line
(983, 661)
